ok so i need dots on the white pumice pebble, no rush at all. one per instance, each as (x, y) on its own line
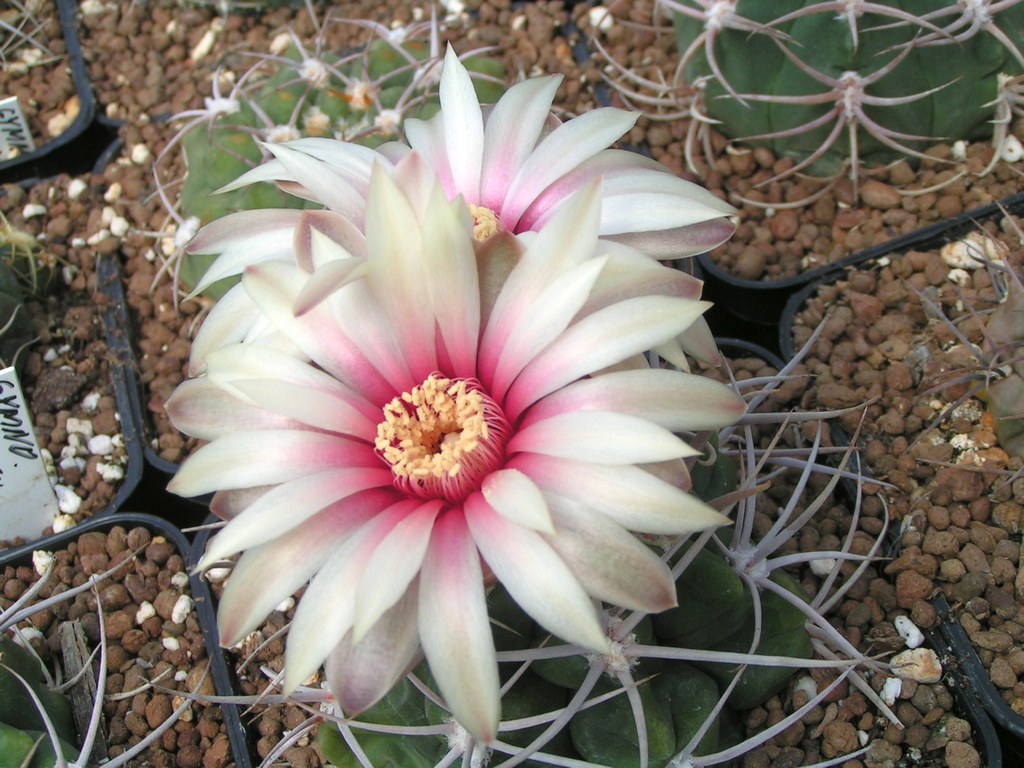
(891, 690)
(114, 192)
(217, 575)
(908, 630)
(959, 150)
(101, 445)
(280, 43)
(146, 611)
(25, 635)
(181, 676)
(119, 226)
(823, 566)
(182, 608)
(921, 664)
(98, 238)
(973, 250)
(807, 687)
(75, 188)
(110, 473)
(63, 522)
(67, 500)
(600, 18)
(141, 154)
(862, 738)
(79, 426)
(91, 402)
(72, 462)
(41, 560)
(171, 643)
(32, 210)
(1012, 150)
(179, 580)
(285, 605)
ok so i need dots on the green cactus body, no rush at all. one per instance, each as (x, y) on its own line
(757, 88)
(618, 746)
(782, 633)
(403, 705)
(21, 723)
(712, 605)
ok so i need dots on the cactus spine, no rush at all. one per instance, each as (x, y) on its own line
(834, 85)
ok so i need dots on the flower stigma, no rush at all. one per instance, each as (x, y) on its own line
(442, 438)
(485, 222)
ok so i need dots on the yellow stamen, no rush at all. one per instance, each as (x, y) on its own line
(485, 222)
(428, 431)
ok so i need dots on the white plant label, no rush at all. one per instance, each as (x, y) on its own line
(15, 138)
(27, 501)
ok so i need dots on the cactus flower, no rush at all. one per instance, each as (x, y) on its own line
(465, 412)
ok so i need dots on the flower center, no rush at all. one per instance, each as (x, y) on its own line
(485, 222)
(442, 438)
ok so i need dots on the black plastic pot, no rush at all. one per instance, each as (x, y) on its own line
(756, 309)
(121, 369)
(928, 238)
(52, 156)
(249, 738)
(200, 595)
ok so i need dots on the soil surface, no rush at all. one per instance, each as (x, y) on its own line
(37, 70)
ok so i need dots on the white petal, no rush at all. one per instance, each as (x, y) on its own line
(535, 576)
(455, 629)
(246, 459)
(513, 495)
(463, 126)
(635, 499)
(610, 563)
(601, 339)
(199, 408)
(600, 437)
(303, 498)
(393, 566)
(325, 612)
(677, 401)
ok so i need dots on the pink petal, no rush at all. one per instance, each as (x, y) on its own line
(321, 236)
(246, 459)
(266, 575)
(567, 243)
(397, 275)
(609, 561)
(303, 498)
(600, 437)
(601, 339)
(455, 630)
(325, 612)
(275, 287)
(392, 567)
(359, 676)
(512, 130)
(677, 401)
(560, 151)
(229, 504)
(635, 499)
(535, 576)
